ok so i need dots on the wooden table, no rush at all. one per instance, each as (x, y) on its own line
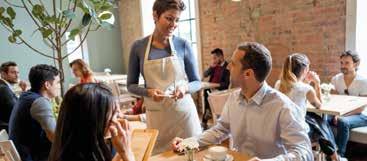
(208, 85)
(137, 125)
(339, 105)
(172, 156)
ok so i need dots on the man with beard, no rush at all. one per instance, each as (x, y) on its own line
(9, 77)
(349, 82)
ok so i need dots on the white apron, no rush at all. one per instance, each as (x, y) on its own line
(172, 118)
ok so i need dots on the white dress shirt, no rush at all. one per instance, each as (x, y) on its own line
(358, 87)
(263, 127)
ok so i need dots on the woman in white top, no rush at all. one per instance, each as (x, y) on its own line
(295, 82)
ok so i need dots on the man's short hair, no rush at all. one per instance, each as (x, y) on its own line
(5, 66)
(257, 58)
(41, 73)
(217, 52)
(353, 54)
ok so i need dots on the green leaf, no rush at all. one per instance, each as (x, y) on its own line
(106, 25)
(50, 19)
(83, 6)
(2, 10)
(11, 12)
(106, 6)
(37, 10)
(17, 33)
(69, 14)
(12, 39)
(105, 16)
(86, 19)
(8, 22)
(46, 32)
(73, 33)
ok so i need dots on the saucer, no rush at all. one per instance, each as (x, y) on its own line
(208, 157)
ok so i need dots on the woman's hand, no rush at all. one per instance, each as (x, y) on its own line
(313, 77)
(180, 92)
(156, 94)
(23, 85)
(121, 139)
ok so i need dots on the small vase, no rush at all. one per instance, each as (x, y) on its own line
(190, 155)
(326, 96)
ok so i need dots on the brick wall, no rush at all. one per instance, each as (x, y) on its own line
(313, 27)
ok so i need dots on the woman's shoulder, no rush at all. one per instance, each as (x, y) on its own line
(140, 42)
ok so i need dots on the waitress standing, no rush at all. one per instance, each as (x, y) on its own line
(170, 72)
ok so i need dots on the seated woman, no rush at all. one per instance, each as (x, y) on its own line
(82, 71)
(89, 114)
(295, 83)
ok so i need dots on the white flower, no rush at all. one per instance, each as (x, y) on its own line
(327, 86)
(107, 70)
(188, 145)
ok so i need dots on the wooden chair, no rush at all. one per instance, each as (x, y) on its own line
(217, 101)
(143, 141)
(8, 152)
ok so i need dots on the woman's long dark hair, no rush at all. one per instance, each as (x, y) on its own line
(82, 122)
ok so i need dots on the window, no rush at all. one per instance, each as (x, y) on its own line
(186, 26)
(361, 34)
(80, 53)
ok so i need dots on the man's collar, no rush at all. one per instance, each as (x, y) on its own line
(259, 95)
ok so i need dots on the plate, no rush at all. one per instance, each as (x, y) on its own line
(208, 157)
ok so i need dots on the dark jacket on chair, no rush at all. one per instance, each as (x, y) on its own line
(7, 101)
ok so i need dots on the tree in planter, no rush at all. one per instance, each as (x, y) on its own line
(53, 23)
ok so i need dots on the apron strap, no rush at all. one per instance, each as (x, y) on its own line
(147, 50)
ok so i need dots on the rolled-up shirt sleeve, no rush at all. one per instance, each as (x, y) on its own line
(294, 138)
(41, 111)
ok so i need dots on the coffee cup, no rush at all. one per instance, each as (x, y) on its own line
(218, 153)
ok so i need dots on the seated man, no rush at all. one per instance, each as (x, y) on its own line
(217, 73)
(349, 82)
(9, 77)
(258, 117)
(32, 124)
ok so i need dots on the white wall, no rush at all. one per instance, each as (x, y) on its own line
(147, 16)
(361, 34)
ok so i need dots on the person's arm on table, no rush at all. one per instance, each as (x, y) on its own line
(214, 135)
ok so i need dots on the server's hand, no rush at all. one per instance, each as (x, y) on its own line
(180, 92)
(156, 94)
